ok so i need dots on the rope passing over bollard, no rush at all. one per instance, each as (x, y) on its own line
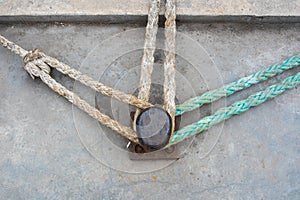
(152, 138)
(148, 58)
(170, 60)
(38, 64)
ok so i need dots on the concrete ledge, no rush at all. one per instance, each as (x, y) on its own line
(114, 11)
(115, 19)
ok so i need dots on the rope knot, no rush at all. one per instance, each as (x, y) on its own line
(34, 64)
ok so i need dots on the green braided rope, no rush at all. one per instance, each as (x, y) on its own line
(235, 109)
(241, 84)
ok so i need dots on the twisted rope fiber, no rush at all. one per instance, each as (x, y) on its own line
(149, 48)
(170, 61)
(80, 103)
(39, 57)
(95, 85)
(38, 64)
(148, 55)
(13, 47)
(148, 58)
(243, 83)
(235, 109)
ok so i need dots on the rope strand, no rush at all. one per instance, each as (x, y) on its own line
(95, 85)
(83, 105)
(170, 61)
(243, 83)
(149, 48)
(39, 58)
(235, 109)
(37, 64)
(148, 56)
(13, 47)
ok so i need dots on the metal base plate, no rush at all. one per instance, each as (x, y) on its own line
(143, 153)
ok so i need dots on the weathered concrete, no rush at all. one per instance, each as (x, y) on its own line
(256, 157)
(132, 10)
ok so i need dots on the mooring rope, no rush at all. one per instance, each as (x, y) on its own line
(43, 74)
(148, 55)
(170, 60)
(37, 64)
(39, 57)
(243, 83)
(235, 109)
(149, 49)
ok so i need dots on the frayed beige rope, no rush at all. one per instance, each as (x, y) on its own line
(37, 64)
(149, 48)
(43, 74)
(148, 58)
(170, 61)
(75, 74)
(13, 47)
(95, 85)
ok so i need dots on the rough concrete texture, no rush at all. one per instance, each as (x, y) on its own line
(80, 9)
(256, 157)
